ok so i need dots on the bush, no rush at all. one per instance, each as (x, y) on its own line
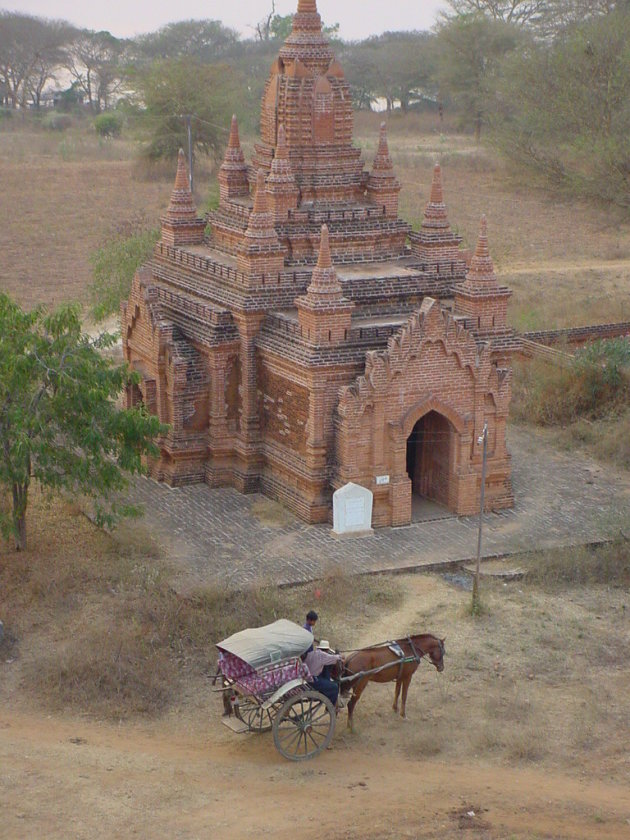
(594, 385)
(57, 122)
(108, 125)
(116, 262)
(578, 566)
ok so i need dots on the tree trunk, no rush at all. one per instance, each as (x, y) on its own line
(478, 122)
(20, 501)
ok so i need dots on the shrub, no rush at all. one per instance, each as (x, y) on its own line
(578, 566)
(108, 125)
(57, 122)
(594, 385)
(116, 262)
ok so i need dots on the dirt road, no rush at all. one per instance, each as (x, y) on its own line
(69, 779)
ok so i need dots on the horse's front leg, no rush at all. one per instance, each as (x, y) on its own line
(357, 691)
(405, 687)
(396, 695)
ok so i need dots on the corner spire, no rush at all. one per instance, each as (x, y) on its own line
(233, 181)
(282, 189)
(437, 192)
(435, 216)
(382, 187)
(324, 314)
(180, 224)
(260, 252)
(235, 141)
(261, 206)
(325, 285)
(482, 266)
(182, 206)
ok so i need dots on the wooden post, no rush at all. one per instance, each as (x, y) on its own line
(475, 594)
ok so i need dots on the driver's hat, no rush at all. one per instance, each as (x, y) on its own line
(324, 644)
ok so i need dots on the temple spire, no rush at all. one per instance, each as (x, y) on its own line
(382, 187)
(481, 266)
(324, 314)
(480, 298)
(383, 160)
(307, 43)
(435, 245)
(260, 199)
(435, 215)
(260, 252)
(233, 181)
(234, 141)
(182, 206)
(180, 223)
(282, 188)
(325, 286)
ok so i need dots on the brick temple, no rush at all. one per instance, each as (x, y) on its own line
(303, 337)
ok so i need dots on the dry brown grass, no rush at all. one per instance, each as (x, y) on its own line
(97, 628)
(61, 197)
(537, 678)
(63, 193)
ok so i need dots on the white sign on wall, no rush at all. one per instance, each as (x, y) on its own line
(382, 479)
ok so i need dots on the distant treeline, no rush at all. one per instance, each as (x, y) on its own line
(547, 80)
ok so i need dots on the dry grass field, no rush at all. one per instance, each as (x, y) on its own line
(104, 693)
(63, 193)
(108, 726)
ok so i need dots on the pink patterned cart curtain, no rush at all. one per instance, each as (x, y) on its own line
(264, 681)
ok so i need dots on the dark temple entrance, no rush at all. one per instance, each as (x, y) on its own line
(429, 465)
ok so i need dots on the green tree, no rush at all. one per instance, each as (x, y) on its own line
(470, 50)
(115, 263)
(95, 62)
(206, 40)
(545, 17)
(565, 108)
(171, 88)
(59, 425)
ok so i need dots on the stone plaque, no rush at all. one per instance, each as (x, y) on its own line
(352, 510)
(355, 512)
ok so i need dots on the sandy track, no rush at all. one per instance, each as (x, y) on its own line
(65, 778)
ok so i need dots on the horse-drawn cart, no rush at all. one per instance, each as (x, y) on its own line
(268, 688)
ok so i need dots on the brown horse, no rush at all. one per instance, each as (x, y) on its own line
(382, 664)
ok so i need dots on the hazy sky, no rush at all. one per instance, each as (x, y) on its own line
(358, 18)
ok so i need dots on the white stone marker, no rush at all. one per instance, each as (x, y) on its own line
(352, 511)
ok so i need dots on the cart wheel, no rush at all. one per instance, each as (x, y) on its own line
(254, 716)
(304, 726)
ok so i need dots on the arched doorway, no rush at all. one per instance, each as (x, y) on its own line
(430, 449)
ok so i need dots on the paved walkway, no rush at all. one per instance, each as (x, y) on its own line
(221, 536)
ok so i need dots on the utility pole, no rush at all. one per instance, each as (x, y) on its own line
(187, 117)
(483, 439)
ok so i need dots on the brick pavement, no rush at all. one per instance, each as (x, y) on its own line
(214, 536)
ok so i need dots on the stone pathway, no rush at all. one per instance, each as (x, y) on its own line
(219, 536)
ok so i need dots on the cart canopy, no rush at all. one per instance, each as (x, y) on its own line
(261, 646)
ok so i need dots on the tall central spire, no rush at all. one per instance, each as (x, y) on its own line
(307, 43)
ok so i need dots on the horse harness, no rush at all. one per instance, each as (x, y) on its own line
(402, 658)
(416, 656)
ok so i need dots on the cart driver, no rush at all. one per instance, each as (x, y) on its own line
(317, 660)
(309, 624)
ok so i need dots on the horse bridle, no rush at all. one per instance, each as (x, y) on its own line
(418, 658)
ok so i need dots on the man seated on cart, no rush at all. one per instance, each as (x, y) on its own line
(317, 660)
